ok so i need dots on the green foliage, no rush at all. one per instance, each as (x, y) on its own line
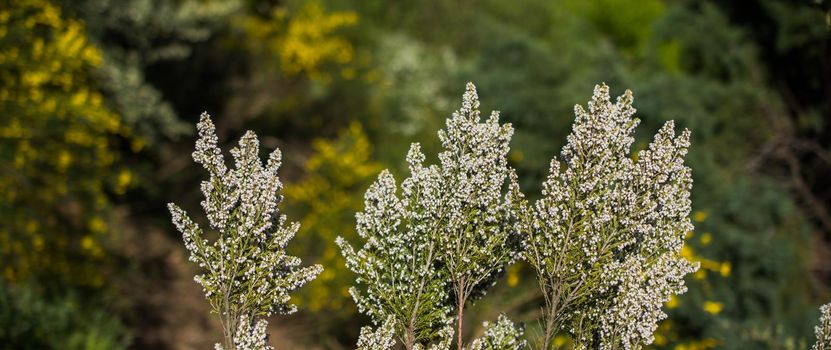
(729, 113)
(411, 90)
(30, 320)
(626, 26)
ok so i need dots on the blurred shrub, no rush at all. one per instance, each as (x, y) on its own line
(325, 201)
(303, 39)
(58, 140)
(410, 85)
(28, 320)
(136, 35)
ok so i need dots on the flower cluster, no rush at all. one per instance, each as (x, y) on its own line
(445, 338)
(398, 266)
(452, 227)
(250, 335)
(501, 335)
(248, 273)
(823, 329)
(605, 238)
(382, 338)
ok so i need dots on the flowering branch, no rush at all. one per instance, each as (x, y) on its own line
(397, 267)
(452, 227)
(480, 234)
(248, 273)
(605, 238)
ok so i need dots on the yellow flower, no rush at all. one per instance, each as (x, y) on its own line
(706, 238)
(725, 268)
(87, 243)
(660, 339)
(713, 307)
(96, 224)
(64, 159)
(560, 340)
(326, 203)
(513, 276)
(123, 180)
(304, 39)
(687, 253)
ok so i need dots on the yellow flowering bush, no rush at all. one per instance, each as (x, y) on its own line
(303, 39)
(57, 157)
(326, 200)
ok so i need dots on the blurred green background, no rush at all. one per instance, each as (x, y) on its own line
(98, 99)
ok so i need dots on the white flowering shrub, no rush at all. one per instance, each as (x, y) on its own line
(478, 226)
(453, 226)
(248, 275)
(397, 267)
(605, 238)
(823, 329)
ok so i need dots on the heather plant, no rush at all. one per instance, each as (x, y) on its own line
(823, 329)
(454, 227)
(248, 273)
(397, 267)
(478, 232)
(606, 236)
